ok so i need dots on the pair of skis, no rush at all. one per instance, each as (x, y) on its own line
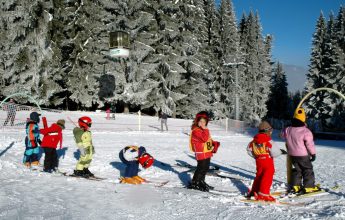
(213, 170)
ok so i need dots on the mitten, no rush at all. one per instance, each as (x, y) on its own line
(216, 145)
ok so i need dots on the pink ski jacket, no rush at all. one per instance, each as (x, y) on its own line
(299, 141)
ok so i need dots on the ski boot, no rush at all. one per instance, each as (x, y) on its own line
(207, 186)
(295, 190)
(27, 164)
(310, 190)
(47, 170)
(129, 180)
(35, 165)
(80, 173)
(198, 185)
(140, 179)
(266, 198)
(249, 194)
(88, 173)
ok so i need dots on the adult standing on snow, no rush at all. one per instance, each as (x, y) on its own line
(164, 120)
(301, 149)
(82, 136)
(32, 141)
(203, 146)
(261, 149)
(52, 137)
(11, 112)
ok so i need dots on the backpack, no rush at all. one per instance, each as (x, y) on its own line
(78, 132)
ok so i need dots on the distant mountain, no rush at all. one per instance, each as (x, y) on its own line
(296, 77)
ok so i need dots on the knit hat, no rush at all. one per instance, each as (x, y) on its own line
(61, 122)
(200, 115)
(300, 114)
(264, 127)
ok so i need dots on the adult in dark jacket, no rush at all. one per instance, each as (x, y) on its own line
(11, 112)
(52, 137)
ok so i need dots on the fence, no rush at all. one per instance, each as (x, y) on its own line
(231, 125)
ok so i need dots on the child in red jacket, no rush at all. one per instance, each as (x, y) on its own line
(52, 137)
(203, 146)
(263, 151)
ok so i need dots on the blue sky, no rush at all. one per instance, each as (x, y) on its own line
(291, 22)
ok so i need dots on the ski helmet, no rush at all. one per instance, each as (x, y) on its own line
(34, 116)
(300, 114)
(146, 160)
(85, 122)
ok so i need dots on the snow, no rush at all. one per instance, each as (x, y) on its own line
(27, 194)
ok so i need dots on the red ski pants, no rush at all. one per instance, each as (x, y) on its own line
(264, 175)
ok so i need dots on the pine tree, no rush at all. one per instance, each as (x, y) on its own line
(194, 86)
(315, 77)
(230, 57)
(25, 49)
(255, 79)
(278, 103)
(208, 36)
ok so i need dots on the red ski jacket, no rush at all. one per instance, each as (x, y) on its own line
(52, 136)
(201, 143)
(261, 146)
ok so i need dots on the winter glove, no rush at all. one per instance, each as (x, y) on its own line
(216, 145)
(312, 157)
(82, 151)
(283, 151)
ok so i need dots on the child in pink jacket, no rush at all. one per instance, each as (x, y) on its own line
(301, 149)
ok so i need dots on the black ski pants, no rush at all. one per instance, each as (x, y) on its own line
(201, 170)
(51, 158)
(303, 169)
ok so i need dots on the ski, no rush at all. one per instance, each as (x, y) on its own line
(88, 178)
(191, 167)
(322, 191)
(156, 183)
(223, 176)
(277, 202)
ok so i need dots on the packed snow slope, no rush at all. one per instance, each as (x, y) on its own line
(28, 194)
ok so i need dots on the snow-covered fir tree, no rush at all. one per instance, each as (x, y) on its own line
(315, 79)
(25, 49)
(327, 70)
(230, 58)
(256, 76)
(194, 86)
(208, 36)
(134, 81)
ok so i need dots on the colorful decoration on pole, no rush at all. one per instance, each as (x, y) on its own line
(119, 44)
(288, 161)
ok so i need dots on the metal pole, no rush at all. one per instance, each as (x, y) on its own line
(237, 101)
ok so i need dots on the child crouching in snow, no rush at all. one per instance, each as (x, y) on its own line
(263, 151)
(132, 156)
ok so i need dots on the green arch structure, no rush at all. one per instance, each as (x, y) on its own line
(319, 89)
(21, 94)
